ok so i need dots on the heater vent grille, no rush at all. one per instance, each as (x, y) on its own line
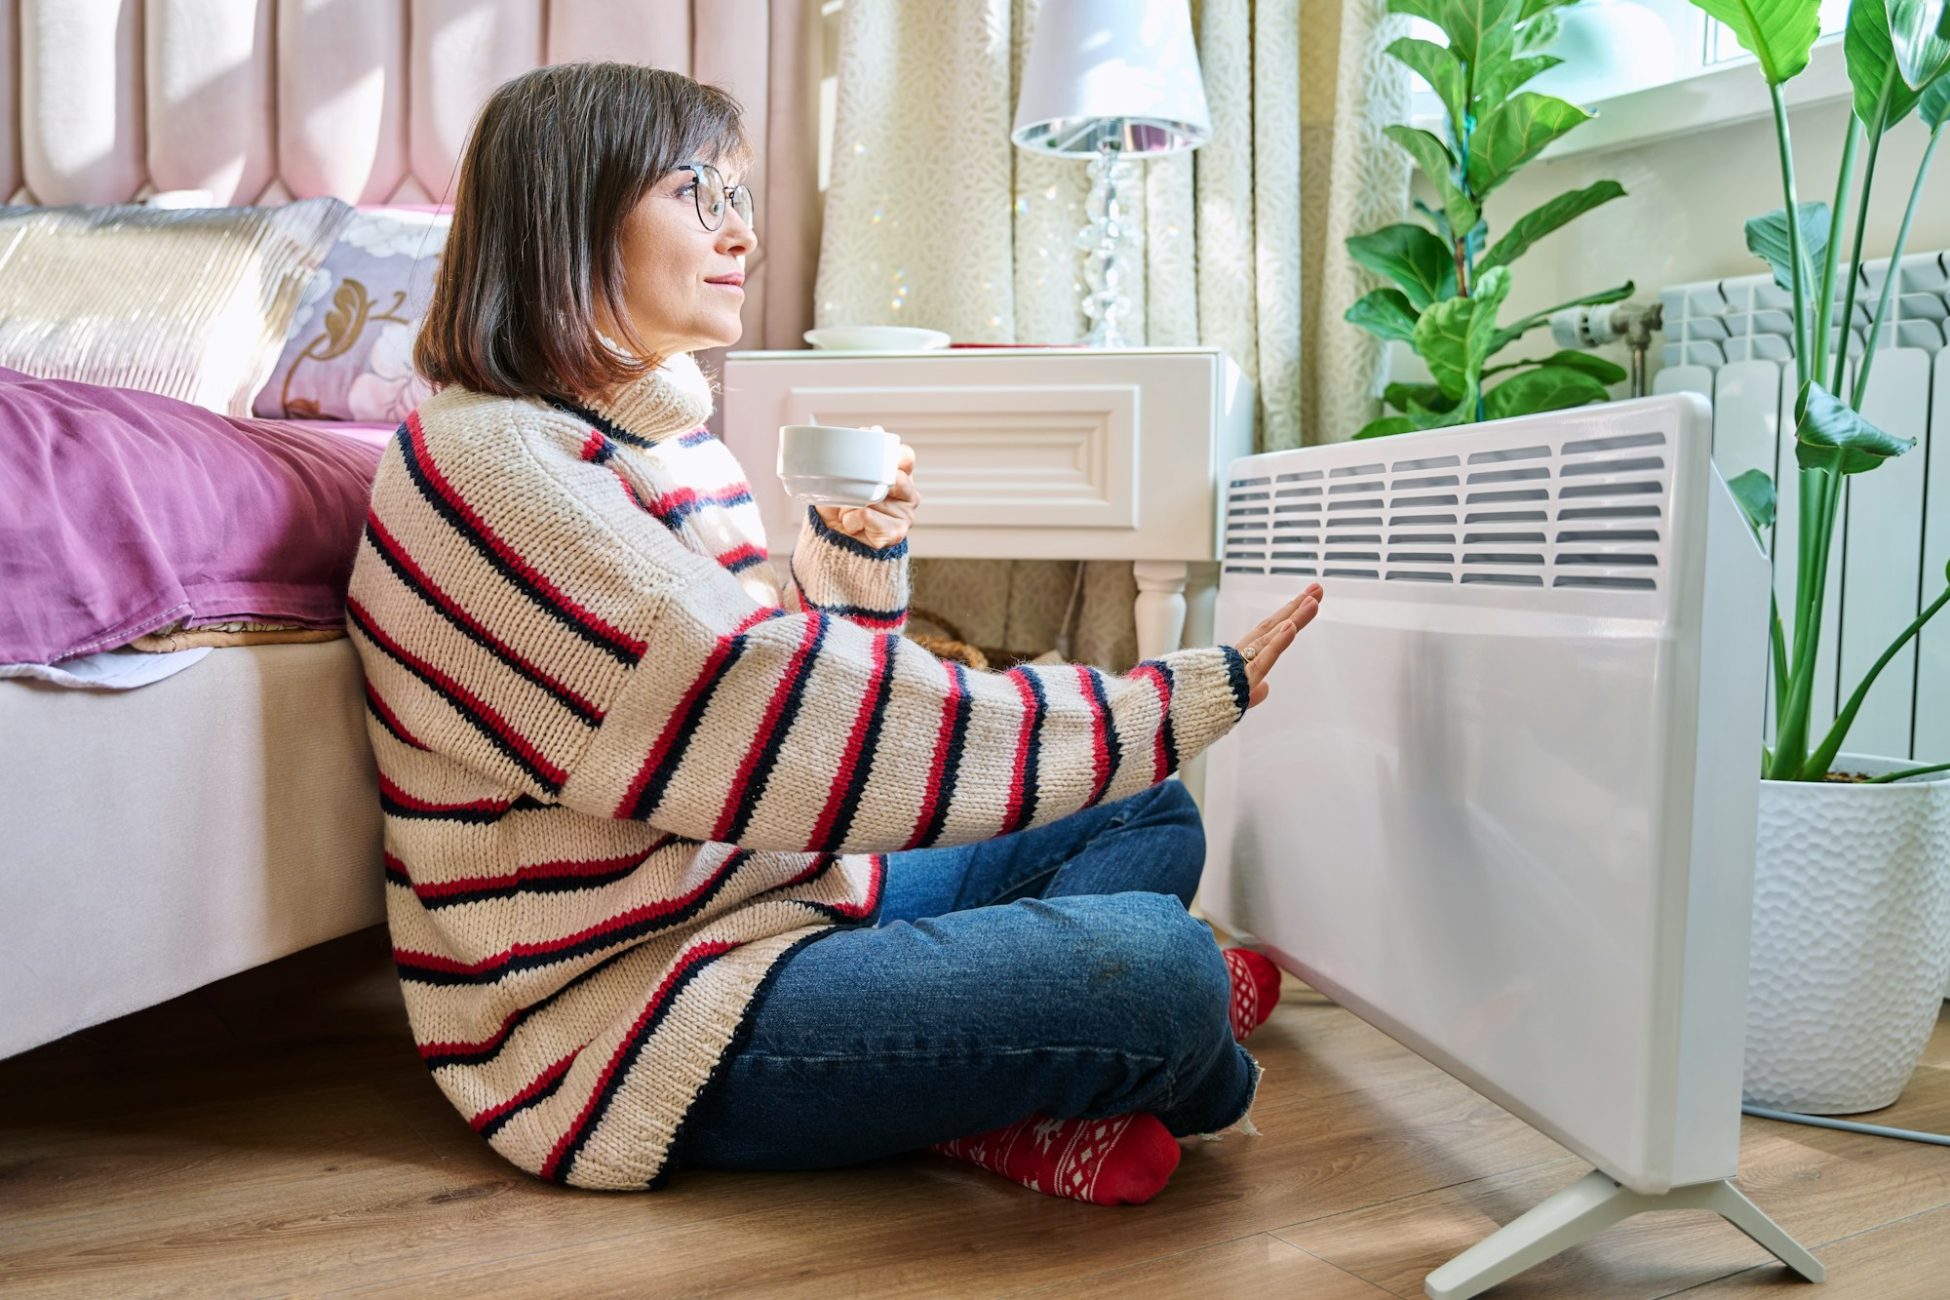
(1587, 512)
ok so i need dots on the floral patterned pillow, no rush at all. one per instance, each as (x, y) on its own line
(349, 355)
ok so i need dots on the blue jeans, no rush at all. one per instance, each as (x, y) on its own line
(1053, 971)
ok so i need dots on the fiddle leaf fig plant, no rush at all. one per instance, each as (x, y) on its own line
(1898, 57)
(1446, 287)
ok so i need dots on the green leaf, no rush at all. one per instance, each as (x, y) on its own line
(1385, 313)
(1753, 492)
(1537, 35)
(1453, 336)
(1513, 133)
(1605, 372)
(1477, 29)
(1387, 426)
(1934, 107)
(1435, 160)
(1830, 436)
(1541, 221)
(1437, 66)
(1779, 33)
(1920, 30)
(1552, 388)
(1499, 81)
(1872, 69)
(1406, 397)
(1767, 239)
(1532, 8)
(1421, 263)
(1504, 337)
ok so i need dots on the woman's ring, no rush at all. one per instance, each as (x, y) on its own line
(1248, 653)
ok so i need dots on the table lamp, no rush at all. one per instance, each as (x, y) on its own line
(1108, 80)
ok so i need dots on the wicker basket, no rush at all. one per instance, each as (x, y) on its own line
(949, 646)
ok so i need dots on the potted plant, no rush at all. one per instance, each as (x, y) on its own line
(1447, 284)
(1851, 938)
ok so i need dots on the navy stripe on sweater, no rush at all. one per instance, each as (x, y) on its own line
(771, 740)
(561, 1162)
(430, 968)
(522, 576)
(951, 760)
(869, 747)
(498, 731)
(539, 1090)
(1094, 683)
(420, 584)
(854, 545)
(440, 1055)
(598, 421)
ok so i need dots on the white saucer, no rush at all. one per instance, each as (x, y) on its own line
(876, 338)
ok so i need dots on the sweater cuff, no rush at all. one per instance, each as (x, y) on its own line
(1209, 691)
(843, 576)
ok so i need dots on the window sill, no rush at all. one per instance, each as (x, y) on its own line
(1705, 101)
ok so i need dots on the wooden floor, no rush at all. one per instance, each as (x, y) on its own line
(275, 1134)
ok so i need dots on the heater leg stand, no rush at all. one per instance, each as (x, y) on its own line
(1585, 1209)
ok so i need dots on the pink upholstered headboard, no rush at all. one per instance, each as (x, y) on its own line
(260, 101)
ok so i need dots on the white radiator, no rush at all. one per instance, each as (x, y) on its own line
(1501, 801)
(1729, 340)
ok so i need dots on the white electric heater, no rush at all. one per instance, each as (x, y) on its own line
(1501, 800)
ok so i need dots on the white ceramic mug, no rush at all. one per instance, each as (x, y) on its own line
(836, 464)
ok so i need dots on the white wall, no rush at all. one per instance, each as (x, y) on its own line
(1688, 198)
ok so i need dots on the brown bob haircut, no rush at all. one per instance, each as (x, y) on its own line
(533, 265)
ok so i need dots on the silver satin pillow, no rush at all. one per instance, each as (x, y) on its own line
(192, 303)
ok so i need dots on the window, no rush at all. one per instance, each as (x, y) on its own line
(1624, 59)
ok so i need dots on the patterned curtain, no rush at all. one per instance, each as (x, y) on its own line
(933, 218)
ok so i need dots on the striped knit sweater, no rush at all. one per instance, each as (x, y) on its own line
(624, 774)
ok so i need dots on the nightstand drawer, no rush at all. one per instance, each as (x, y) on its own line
(1020, 453)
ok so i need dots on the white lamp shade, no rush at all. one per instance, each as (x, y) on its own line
(1112, 72)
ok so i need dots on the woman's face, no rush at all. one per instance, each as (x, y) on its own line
(683, 284)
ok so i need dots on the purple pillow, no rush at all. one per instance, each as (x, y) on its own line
(349, 353)
(122, 512)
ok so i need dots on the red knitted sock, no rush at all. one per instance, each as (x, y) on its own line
(1123, 1160)
(1255, 990)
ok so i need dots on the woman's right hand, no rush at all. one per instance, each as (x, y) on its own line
(1271, 638)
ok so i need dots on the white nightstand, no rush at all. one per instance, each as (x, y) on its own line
(1029, 454)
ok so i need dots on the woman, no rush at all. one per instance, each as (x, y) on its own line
(664, 844)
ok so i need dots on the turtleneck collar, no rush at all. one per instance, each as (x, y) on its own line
(673, 399)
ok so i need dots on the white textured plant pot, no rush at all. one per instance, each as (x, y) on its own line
(1851, 939)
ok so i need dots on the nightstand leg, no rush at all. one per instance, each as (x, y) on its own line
(1160, 606)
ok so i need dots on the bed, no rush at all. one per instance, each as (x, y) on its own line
(186, 787)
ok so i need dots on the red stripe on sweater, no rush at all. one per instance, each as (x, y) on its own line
(385, 711)
(502, 727)
(508, 553)
(1024, 739)
(392, 791)
(690, 957)
(482, 1119)
(938, 766)
(851, 758)
(562, 869)
(682, 497)
(795, 669)
(701, 683)
(736, 554)
(592, 446)
(448, 603)
(866, 906)
(1099, 737)
(621, 920)
(1160, 765)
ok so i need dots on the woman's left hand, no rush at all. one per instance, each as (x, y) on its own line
(886, 521)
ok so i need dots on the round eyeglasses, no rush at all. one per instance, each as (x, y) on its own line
(708, 189)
